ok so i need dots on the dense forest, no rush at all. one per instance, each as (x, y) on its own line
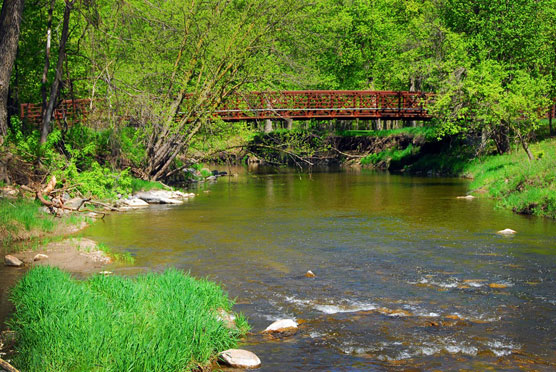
(492, 65)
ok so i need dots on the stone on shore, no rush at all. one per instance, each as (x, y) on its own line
(74, 203)
(238, 358)
(39, 257)
(282, 326)
(506, 232)
(10, 260)
(160, 197)
(135, 203)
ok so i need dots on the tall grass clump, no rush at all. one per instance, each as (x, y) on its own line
(22, 214)
(527, 187)
(153, 322)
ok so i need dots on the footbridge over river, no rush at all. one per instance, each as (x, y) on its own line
(285, 105)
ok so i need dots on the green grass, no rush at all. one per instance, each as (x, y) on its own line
(138, 184)
(153, 322)
(22, 214)
(124, 257)
(524, 186)
(390, 155)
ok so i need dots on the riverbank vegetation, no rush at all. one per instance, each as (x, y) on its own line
(155, 73)
(152, 322)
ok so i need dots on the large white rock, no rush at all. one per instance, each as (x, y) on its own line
(467, 197)
(282, 325)
(506, 232)
(135, 203)
(238, 358)
(10, 260)
(159, 197)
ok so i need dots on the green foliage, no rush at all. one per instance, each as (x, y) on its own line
(390, 155)
(152, 322)
(98, 181)
(429, 133)
(517, 183)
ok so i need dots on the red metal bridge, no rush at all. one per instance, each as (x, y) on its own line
(296, 105)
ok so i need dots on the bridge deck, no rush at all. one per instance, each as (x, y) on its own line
(297, 105)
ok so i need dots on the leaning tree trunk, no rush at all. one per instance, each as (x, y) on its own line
(10, 20)
(54, 89)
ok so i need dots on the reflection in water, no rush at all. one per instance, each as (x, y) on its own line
(407, 275)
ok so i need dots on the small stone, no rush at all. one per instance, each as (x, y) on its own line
(39, 257)
(506, 232)
(105, 272)
(282, 326)
(10, 260)
(310, 274)
(238, 358)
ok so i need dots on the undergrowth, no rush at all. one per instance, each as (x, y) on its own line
(152, 322)
(527, 187)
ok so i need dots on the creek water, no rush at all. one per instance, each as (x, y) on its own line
(408, 277)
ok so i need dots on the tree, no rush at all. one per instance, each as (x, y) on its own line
(175, 62)
(10, 20)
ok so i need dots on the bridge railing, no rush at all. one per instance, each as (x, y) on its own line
(326, 104)
(297, 105)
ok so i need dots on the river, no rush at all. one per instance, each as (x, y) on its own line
(408, 277)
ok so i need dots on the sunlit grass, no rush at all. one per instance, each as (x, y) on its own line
(517, 183)
(153, 322)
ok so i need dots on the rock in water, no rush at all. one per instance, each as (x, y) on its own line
(238, 358)
(468, 197)
(10, 260)
(310, 274)
(282, 326)
(39, 257)
(506, 232)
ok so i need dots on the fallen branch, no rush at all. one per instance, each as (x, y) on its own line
(349, 155)
(7, 366)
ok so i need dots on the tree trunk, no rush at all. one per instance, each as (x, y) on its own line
(44, 80)
(55, 88)
(550, 116)
(10, 20)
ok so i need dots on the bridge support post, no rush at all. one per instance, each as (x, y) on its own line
(268, 126)
(289, 123)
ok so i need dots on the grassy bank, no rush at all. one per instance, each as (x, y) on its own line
(153, 322)
(527, 187)
(23, 219)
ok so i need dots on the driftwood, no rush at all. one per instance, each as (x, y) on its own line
(7, 366)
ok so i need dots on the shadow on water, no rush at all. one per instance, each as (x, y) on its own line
(407, 275)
